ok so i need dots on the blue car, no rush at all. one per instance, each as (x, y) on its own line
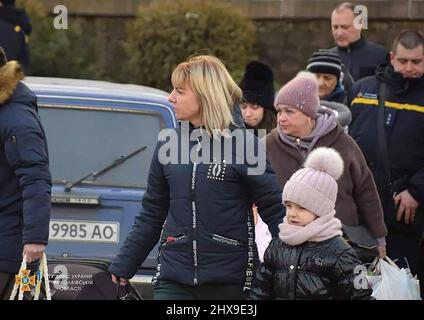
(101, 137)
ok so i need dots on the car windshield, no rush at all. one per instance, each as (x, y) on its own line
(80, 139)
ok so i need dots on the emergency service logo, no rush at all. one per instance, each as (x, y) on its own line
(25, 280)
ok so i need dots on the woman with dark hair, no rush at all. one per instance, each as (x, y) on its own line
(257, 106)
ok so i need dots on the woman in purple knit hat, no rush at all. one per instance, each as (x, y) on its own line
(302, 126)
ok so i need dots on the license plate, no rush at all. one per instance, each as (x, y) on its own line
(90, 231)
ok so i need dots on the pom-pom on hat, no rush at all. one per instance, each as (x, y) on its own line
(315, 187)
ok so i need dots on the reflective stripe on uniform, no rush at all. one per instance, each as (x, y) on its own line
(389, 104)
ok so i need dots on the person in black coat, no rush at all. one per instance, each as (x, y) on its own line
(310, 259)
(359, 56)
(25, 181)
(327, 67)
(200, 192)
(15, 29)
(257, 106)
(398, 171)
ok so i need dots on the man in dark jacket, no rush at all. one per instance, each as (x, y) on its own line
(327, 67)
(360, 56)
(403, 196)
(25, 182)
(15, 29)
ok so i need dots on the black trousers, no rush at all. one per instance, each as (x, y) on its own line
(405, 242)
(169, 290)
(408, 252)
(6, 285)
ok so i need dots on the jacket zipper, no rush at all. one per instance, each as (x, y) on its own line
(171, 240)
(194, 213)
(194, 225)
(293, 270)
(298, 142)
(298, 146)
(348, 60)
(299, 149)
(228, 241)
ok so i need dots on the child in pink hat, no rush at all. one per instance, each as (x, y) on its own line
(310, 259)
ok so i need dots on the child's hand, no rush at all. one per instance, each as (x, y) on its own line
(255, 213)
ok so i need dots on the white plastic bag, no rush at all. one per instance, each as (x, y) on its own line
(42, 273)
(393, 283)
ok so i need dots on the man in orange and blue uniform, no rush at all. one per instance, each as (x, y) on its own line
(403, 196)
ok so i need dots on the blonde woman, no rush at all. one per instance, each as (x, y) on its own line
(200, 210)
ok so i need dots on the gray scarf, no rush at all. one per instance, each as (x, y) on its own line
(325, 122)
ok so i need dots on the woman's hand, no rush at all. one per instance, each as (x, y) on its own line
(122, 281)
(33, 251)
(381, 251)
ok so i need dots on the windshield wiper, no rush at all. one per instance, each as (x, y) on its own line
(98, 172)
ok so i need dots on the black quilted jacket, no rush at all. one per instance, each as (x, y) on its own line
(313, 270)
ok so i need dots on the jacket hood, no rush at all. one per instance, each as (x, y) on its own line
(10, 76)
(238, 117)
(343, 113)
(387, 74)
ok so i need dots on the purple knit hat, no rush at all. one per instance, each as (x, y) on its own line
(301, 93)
(314, 187)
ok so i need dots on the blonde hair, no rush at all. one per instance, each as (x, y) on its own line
(215, 90)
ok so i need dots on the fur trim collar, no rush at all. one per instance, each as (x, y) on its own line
(10, 75)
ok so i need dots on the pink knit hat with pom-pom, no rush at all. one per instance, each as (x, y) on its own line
(314, 187)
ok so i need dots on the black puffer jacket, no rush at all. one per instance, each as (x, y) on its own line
(313, 270)
(208, 235)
